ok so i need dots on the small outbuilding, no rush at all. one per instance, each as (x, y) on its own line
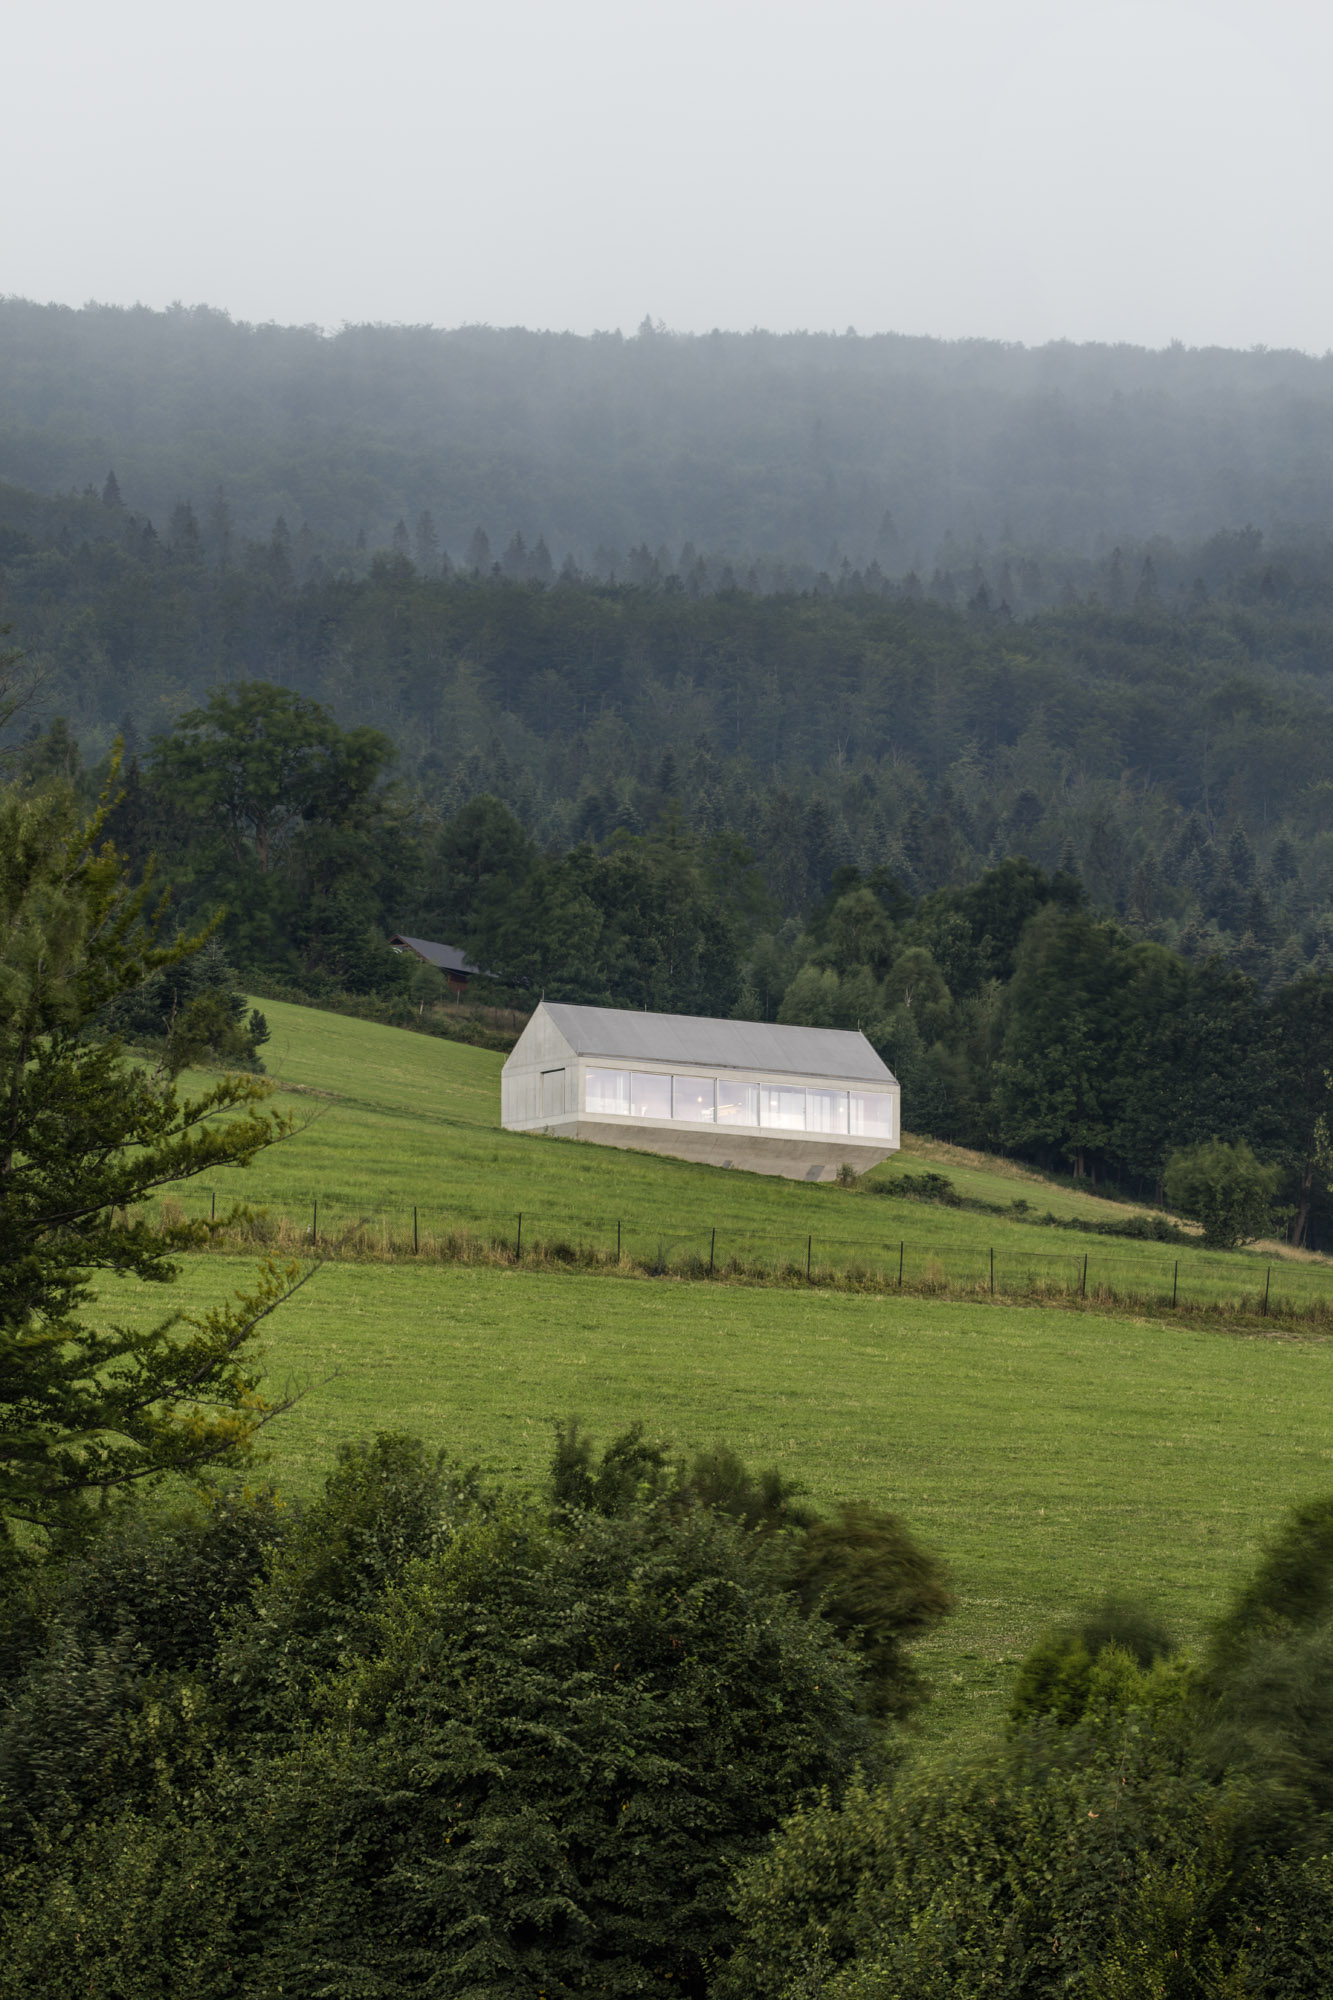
(775, 1100)
(446, 958)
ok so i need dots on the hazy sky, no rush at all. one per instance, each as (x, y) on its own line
(1022, 169)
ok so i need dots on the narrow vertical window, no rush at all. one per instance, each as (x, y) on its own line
(553, 1093)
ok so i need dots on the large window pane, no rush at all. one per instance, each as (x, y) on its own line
(649, 1096)
(782, 1109)
(737, 1103)
(692, 1098)
(607, 1090)
(826, 1111)
(872, 1114)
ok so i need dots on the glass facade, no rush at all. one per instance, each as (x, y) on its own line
(607, 1090)
(737, 1103)
(649, 1094)
(826, 1111)
(692, 1097)
(872, 1114)
(781, 1108)
(767, 1107)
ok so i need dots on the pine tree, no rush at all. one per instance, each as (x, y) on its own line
(1116, 590)
(427, 544)
(186, 542)
(86, 1137)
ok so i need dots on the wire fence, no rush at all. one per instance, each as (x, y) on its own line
(1151, 1276)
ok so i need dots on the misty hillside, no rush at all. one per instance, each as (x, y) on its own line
(806, 447)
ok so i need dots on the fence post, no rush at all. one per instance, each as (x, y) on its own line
(213, 1210)
(518, 1253)
(901, 1248)
(617, 1243)
(314, 1224)
(1083, 1281)
(809, 1247)
(992, 1273)
(414, 1229)
(712, 1246)
(1267, 1275)
(1175, 1281)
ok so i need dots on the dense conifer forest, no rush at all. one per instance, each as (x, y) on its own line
(783, 446)
(523, 664)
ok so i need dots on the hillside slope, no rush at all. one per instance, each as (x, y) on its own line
(391, 1121)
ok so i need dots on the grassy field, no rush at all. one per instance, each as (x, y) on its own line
(1050, 1455)
(392, 1120)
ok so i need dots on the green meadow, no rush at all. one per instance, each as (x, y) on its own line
(1051, 1453)
(391, 1121)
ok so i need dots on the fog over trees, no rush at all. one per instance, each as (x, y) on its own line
(804, 447)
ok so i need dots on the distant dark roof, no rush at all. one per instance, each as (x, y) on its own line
(692, 1038)
(446, 956)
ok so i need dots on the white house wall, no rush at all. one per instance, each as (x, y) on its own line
(544, 1071)
(540, 1050)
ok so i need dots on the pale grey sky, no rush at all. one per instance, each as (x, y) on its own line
(1019, 169)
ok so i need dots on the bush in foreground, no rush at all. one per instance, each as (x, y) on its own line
(424, 1739)
(1149, 1826)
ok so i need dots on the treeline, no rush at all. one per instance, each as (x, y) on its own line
(639, 1733)
(788, 447)
(1016, 1016)
(1175, 759)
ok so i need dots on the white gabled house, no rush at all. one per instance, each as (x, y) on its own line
(793, 1101)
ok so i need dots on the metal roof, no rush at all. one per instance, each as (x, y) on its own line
(694, 1039)
(446, 956)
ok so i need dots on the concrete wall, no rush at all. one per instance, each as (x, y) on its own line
(541, 1069)
(796, 1156)
(542, 1090)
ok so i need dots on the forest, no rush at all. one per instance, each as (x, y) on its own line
(943, 768)
(800, 447)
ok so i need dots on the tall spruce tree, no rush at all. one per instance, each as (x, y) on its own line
(86, 1137)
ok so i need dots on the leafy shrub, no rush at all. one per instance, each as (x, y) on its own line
(919, 1187)
(878, 1589)
(110, 1707)
(1225, 1188)
(1056, 1679)
(544, 1776)
(1019, 1877)
(420, 1738)
(387, 1503)
(1270, 1668)
(861, 1571)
